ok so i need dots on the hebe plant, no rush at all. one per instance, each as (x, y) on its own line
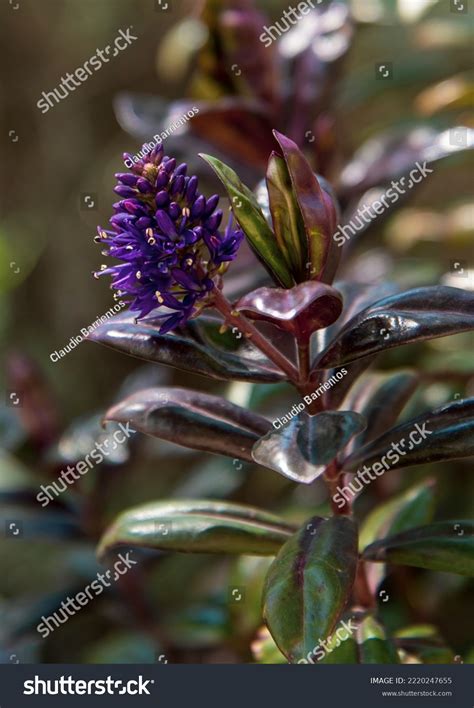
(321, 337)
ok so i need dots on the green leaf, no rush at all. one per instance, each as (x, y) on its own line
(264, 649)
(374, 647)
(253, 222)
(358, 639)
(423, 642)
(413, 507)
(309, 583)
(339, 652)
(197, 526)
(318, 214)
(286, 216)
(447, 546)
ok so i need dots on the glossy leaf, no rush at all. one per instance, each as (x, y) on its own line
(172, 349)
(197, 526)
(192, 419)
(413, 316)
(252, 221)
(300, 310)
(373, 645)
(338, 652)
(447, 546)
(286, 216)
(309, 584)
(367, 644)
(413, 507)
(443, 434)
(317, 211)
(356, 298)
(381, 399)
(303, 448)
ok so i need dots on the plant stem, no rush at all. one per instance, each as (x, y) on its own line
(332, 477)
(304, 361)
(246, 327)
(362, 593)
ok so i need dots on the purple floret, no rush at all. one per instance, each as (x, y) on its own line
(166, 235)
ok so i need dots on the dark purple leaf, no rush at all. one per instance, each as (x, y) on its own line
(145, 342)
(192, 419)
(413, 316)
(318, 213)
(300, 310)
(380, 399)
(240, 30)
(356, 298)
(443, 434)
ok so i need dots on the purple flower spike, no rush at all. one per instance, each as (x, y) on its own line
(165, 236)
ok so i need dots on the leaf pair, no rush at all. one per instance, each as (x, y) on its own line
(301, 246)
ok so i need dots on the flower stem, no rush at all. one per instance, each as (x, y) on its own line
(251, 332)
